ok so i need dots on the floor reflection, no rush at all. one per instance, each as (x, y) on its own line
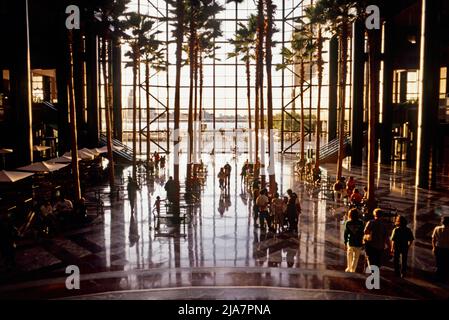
(221, 233)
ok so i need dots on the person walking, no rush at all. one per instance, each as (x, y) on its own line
(353, 238)
(440, 248)
(292, 213)
(243, 173)
(171, 189)
(227, 169)
(151, 166)
(375, 239)
(221, 178)
(256, 194)
(401, 240)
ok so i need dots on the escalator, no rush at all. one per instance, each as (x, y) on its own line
(329, 151)
(123, 153)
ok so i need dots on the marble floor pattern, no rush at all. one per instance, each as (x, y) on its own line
(220, 254)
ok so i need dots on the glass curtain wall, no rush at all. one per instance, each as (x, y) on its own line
(225, 116)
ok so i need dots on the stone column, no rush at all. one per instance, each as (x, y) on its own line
(117, 89)
(20, 73)
(428, 121)
(386, 135)
(358, 66)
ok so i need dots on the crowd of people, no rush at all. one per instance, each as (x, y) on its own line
(380, 243)
(276, 214)
(46, 219)
(155, 162)
(52, 216)
(347, 191)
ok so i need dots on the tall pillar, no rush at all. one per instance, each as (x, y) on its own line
(428, 93)
(20, 72)
(63, 99)
(386, 135)
(117, 88)
(358, 66)
(333, 88)
(62, 75)
(78, 75)
(92, 88)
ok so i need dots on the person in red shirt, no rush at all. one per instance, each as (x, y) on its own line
(356, 197)
(350, 186)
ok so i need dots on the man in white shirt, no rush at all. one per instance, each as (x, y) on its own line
(440, 245)
(262, 203)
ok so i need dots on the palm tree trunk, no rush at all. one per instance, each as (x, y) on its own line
(147, 89)
(73, 130)
(256, 111)
(342, 102)
(177, 107)
(195, 115)
(191, 88)
(259, 65)
(374, 66)
(301, 88)
(318, 110)
(135, 66)
(248, 99)
(107, 107)
(201, 104)
(268, 59)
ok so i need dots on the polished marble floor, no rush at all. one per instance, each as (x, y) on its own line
(220, 254)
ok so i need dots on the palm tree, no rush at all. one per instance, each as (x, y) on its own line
(200, 27)
(244, 45)
(109, 27)
(192, 14)
(301, 49)
(320, 64)
(140, 26)
(259, 98)
(269, 31)
(314, 19)
(153, 59)
(208, 29)
(206, 50)
(259, 82)
(338, 15)
(178, 10)
(374, 50)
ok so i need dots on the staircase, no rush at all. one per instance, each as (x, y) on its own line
(329, 151)
(125, 154)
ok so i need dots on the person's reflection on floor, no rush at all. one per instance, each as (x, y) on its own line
(274, 256)
(291, 253)
(151, 188)
(221, 205)
(261, 249)
(244, 198)
(133, 230)
(132, 191)
(227, 201)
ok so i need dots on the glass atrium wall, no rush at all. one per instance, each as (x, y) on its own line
(224, 93)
